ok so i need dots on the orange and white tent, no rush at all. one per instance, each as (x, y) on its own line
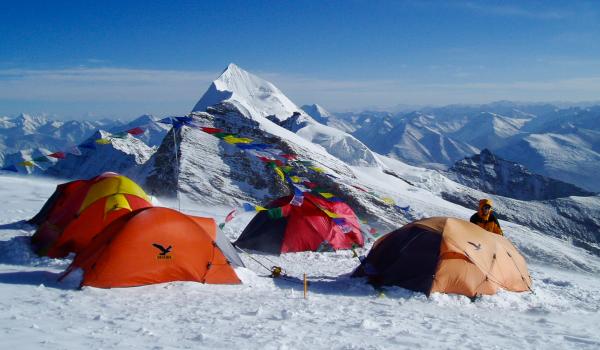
(156, 245)
(80, 209)
(446, 255)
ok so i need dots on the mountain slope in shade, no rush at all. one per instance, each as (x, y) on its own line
(494, 175)
(123, 156)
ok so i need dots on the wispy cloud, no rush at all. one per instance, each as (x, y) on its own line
(113, 90)
(102, 83)
(512, 10)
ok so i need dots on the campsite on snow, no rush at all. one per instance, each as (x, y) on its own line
(197, 231)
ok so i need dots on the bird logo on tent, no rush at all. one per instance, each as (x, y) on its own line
(163, 251)
(477, 246)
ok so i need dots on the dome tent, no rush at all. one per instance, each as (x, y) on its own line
(156, 245)
(317, 224)
(80, 209)
(445, 255)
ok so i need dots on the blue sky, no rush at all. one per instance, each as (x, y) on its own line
(108, 59)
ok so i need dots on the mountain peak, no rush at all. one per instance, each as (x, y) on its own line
(254, 97)
(318, 113)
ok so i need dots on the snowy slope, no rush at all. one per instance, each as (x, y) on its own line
(154, 132)
(567, 157)
(262, 313)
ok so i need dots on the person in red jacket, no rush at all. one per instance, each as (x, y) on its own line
(485, 217)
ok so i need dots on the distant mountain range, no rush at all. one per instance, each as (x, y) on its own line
(559, 143)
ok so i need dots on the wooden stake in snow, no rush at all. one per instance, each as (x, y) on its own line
(305, 287)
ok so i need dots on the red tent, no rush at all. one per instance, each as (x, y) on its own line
(80, 209)
(315, 225)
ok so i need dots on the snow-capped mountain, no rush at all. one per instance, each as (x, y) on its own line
(489, 173)
(260, 100)
(27, 132)
(254, 97)
(122, 155)
(318, 113)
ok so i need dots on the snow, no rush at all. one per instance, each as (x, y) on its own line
(340, 312)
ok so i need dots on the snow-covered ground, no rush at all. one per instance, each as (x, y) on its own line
(36, 312)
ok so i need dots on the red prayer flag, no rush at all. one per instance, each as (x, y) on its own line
(288, 156)
(211, 130)
(359, 188)
(230, 216)
(372, 230)
(135, 131)
(58, 155)
(309, 184)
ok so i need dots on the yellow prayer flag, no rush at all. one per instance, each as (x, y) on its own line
(233, 140)
(327, 194)
(103, 141)
(27, 163)
(295, 179)
(330, 214)
(317, 169)
(388, 200)
(280, 173)
(259, 208)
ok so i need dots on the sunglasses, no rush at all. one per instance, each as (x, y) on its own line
(487, 207)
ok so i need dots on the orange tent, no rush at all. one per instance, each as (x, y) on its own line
(80, 209)
(446, 255)
(156, 245)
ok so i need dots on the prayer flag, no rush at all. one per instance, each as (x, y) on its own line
(298, 198)
(211, 130)
(230, 216)
(103, 141)
(58, 155)
(41, 159)
(135, 131)
(388, 200)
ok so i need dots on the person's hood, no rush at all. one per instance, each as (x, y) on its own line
(483, 203)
